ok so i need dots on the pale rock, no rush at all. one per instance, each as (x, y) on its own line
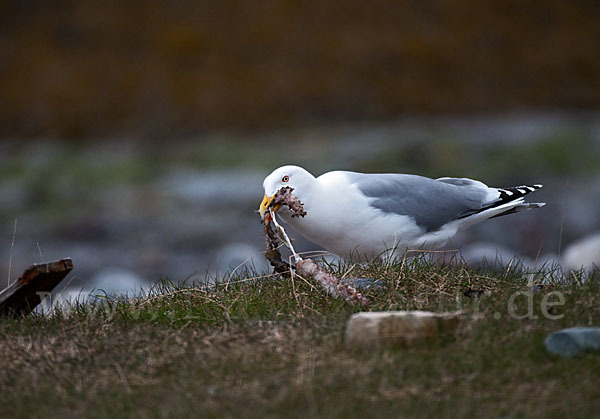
(582, 254)
(399, 328)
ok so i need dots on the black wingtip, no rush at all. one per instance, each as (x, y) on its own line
(515, 192)
(508, 195)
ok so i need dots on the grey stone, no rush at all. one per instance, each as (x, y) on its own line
(111, 282)
(118, 282)
(215, 188)
(240, 256)
(573, 341)
(14, 194)
(491, 255)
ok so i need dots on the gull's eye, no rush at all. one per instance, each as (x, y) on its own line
(286, 178)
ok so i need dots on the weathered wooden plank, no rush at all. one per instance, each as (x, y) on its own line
(23, 295)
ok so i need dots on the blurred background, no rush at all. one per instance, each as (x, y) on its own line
(135, 135)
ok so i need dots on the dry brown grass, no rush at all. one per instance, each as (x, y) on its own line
(270, 348)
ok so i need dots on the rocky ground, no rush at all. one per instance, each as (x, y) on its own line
(129, 213)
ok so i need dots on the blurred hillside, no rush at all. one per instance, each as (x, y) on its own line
(75, 69)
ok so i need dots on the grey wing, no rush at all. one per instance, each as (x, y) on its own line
(431, 203)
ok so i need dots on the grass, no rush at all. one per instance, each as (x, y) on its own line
(274, 348)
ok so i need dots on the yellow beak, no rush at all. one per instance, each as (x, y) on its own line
(265, 204)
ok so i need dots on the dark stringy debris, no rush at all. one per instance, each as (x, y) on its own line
(284, 197)
(305, 267)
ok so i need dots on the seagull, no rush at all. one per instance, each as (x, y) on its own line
(374, 215)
